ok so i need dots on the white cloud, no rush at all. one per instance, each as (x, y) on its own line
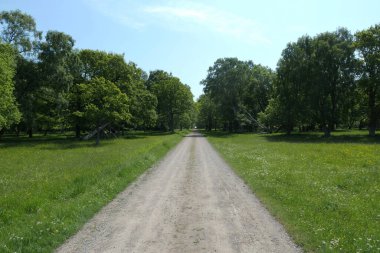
(123, 12)
(210, 18)
(177, 12)
(184, 16)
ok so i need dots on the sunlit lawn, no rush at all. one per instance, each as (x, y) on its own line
(49, 187)
(325, 191)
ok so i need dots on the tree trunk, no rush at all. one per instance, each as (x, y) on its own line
(289, 129)
(171, 122)
(30, 132)
(97, 135)
(62, 127)
(372, 131)
(77, 131)
(372, 115)
(2, 132)
(327, 131)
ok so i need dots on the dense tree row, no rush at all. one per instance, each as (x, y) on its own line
(47, 84)
(235, 93)
(321, 83)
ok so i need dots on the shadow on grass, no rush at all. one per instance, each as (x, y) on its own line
(338, 137)
(150, 133)
(63, 142)
(24, 141)
(313, 137)
(51, 144)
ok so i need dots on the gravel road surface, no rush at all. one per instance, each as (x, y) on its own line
(190, 202)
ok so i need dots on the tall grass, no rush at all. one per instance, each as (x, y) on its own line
(49, 187)
(326, 192)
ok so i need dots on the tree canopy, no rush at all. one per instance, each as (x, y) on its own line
(58, 88)
(9, 113)
(321, 82)
(19, 29)
(368, 46)
(175, 99)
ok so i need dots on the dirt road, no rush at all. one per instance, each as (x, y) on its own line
(190, 202)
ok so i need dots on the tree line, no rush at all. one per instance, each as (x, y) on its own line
(46, 84)
(325, 82)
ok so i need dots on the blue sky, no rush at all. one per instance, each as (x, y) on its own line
(185, 37)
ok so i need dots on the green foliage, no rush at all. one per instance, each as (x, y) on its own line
(107, 65)
(174, 98)
(334, 74)
(315, 87)
(207, 117)
(324, 191)
(60, 183)
(292, 88)
(27, 92)
(274, 115)
(128, 77)
(103, 102)
(315, 83)
(9, 113)
(56, 77)
(368, 45)
(226, 83)
(259, 89)
(19, 29)
(239, 90)
(143, 108)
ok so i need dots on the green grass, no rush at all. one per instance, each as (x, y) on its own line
(326, 192)
(49, 187)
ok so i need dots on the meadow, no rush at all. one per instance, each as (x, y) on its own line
(325, 191)
(50, 186)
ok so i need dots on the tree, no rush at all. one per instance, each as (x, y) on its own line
(110, 66)
(9, 113)
(142, 102)
(143, 108)
(129, 79)
(207, 116)
(103, 103)
(292, 87)
(315, 82)
(226, 83)
(27, 87)
(273, 115)
(56, 76)
(19, 29)
(174, 98)
(257, 94)
(368, 46)
(74, 96)
(334, 76)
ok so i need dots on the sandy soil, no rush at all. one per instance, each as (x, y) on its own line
(190, 202)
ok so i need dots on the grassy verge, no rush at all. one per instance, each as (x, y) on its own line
(326, 192)
(49, 187)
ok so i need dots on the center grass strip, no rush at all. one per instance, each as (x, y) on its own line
(49, 189)
(325, 192)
